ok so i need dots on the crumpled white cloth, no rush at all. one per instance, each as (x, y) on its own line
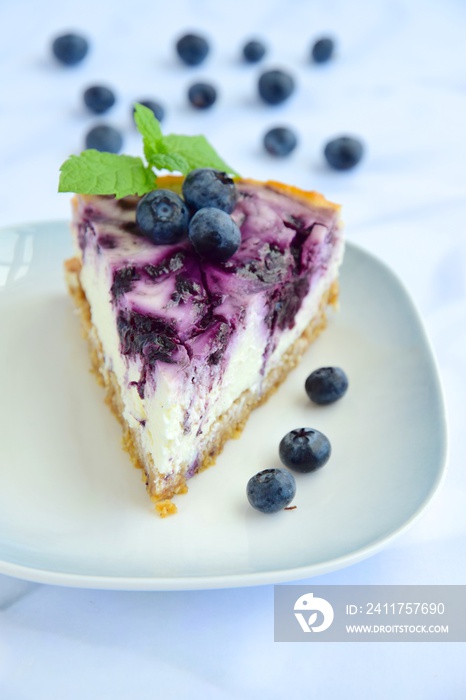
(397, 82)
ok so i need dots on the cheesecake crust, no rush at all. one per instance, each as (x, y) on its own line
(162, 488)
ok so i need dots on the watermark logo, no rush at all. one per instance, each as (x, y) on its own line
(308, 604)
(369, 613)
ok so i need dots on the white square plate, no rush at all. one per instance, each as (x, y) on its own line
(73, 511)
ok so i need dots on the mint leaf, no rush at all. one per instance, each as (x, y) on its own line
(147, 123)
(94, 172)
(149, 128)
(197, 151)
(170, 161)
(174, 152)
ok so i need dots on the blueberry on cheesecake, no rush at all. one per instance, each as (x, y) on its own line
(196, 304)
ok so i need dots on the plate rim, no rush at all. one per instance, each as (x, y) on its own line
(274, 576)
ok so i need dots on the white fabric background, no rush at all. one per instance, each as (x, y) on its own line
(399, 83)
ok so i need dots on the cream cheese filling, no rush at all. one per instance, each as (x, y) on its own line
(174, 421)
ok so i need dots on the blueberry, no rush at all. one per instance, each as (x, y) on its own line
(162, 216)
(104, 138)
(155, 107)
(304, 450)
(343, 153)
(192, 49)
(271, 490)
(326, 385)
(202, 95)
(214, 234)
(280, 141)
(70, 49)
(206, 187)
(99, 99)
(275, 86)
(254, 51)
(322, 50)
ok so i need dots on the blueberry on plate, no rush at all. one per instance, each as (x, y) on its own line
(275, 86)
(344, 152)
(155, 107)
(304, 450)
(326, 385)
(162, 216)
(192, 49)
(280, 141)
(202, 95)
(104, 138)
(214, 234)
(254, 51)
(271, 490)
(70, 49)
(322, 50)
(99, 98)
(206, 187)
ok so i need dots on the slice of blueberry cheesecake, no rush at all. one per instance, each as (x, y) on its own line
(187, 343)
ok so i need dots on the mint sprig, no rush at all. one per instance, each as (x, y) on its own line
(95, 172)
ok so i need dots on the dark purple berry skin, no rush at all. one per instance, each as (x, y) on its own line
(123, 280)
(254, 51)
(99, 99)
(104, 138)
(206, 187)
(280, 141)
(70, 49)
(202, 95)
(150, 336)
(214, 234)
(192, 49)
(343, 153)
(304, 450)
(162, 217)
(156, 108)
(322, 50)
(275, 86)
(326, 385)
(271, 490)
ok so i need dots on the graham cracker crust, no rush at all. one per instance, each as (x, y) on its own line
(230, 425)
